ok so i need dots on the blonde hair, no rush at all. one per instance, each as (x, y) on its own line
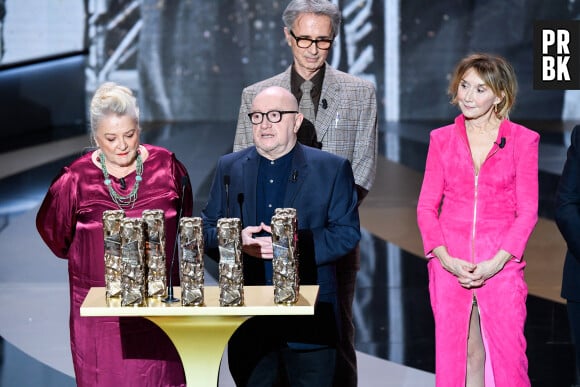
(111, 98)
(497, 73)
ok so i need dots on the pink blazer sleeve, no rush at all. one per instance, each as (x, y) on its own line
(526, 159)
(430, 200)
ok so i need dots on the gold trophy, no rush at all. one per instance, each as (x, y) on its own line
(132, 262)
(112, 236)
(285, 261)
(231, 274)
(155, 258)
(191, 268)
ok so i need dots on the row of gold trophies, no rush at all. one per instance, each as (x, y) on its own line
(135, 259)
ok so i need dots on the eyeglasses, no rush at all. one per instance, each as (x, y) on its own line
(274, 116)
(322, 44)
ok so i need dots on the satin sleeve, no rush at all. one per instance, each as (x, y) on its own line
(56, 217)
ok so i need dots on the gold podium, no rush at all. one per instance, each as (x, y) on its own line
(200, 333)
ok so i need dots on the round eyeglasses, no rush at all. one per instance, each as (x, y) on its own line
(274, 116)
(322, 44)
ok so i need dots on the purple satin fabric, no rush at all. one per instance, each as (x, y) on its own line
(112, 351)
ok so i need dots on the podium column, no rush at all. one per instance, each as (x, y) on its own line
(200, 342)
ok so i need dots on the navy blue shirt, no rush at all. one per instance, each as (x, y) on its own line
(273, 177)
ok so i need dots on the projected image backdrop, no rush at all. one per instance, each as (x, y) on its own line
(33, 30)
(189, 60)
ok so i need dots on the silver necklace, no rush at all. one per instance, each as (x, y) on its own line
(120, 200)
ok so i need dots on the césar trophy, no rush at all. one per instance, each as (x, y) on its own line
(132, 262)
(155, 258)
(231, 274)
(285, 261)
(191, 268)
(112, 237)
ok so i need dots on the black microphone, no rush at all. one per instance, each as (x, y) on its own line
(122, 182)
(501, 143)
(227, 185)
(294, 176)
(170, 298)
(324, 103)
(241, 204)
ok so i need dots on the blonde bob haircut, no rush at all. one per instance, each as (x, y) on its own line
(497, 73)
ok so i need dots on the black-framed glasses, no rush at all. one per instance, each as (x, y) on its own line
(274, 116)
(322, 44)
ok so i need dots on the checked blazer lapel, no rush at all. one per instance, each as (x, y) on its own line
(331, 89)
(326, 118)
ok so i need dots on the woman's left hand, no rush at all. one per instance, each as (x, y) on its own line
(488, 268)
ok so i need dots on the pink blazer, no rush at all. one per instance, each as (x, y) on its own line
(475, 215)
(504, 204)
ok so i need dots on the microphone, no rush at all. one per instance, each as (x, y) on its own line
(324, 103)
(170, 298)
(122, 182)
(227, 185)
(501, 143)
(241, 203)
(294, 176)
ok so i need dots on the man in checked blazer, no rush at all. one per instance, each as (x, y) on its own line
(345, 123)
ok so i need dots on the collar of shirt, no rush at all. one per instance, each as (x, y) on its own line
(296, 80)
(273, 176)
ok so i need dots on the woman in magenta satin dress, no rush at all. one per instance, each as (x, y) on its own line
(113, 351)
(477, 208)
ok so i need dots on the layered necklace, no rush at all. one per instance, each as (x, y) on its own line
(120, 200)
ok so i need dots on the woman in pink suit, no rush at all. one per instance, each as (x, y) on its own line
(477, 208)
(120, 174)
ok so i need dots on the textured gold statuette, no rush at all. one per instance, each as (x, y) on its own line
(191, 268)
(231, 274)
(285, 261)
(155, 258)
(133, 290)
(112, 236)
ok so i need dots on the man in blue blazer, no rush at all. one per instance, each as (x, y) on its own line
(343, 122)
(568, 221)
(250, 184)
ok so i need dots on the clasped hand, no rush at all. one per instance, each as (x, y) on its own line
(471, 275)
(467, 273)
(257, 246)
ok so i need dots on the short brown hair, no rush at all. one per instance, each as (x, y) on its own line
(496, 72)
